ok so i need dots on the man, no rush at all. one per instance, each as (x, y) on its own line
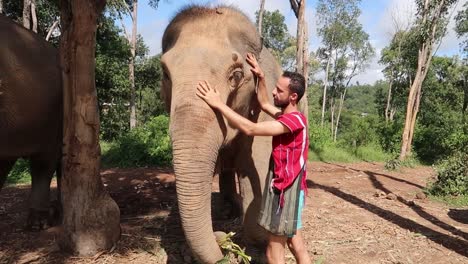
(284, 195)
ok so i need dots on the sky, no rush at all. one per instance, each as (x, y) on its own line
(377, 18)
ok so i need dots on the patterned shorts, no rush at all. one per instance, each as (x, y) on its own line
(283, 221)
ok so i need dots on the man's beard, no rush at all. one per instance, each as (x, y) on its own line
(281, 104)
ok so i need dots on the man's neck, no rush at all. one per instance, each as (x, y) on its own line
(290, 108)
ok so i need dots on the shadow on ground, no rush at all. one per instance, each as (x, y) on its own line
(149, 219)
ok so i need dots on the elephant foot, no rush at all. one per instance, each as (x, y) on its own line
(42, 219)
(37, 220)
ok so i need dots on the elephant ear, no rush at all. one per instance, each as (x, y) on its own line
(271, 68)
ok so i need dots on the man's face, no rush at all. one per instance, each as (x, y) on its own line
(281, 92)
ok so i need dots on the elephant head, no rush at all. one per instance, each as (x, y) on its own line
(210, 44)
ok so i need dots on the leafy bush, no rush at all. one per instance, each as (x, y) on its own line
(452, 176)
(319, 137)
(390, 136)
(19, 173)
(358, 131)
(146, 145)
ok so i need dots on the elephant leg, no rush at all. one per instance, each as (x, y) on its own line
(227, 187)
(253, 163)
(5, 167)
(42, 169)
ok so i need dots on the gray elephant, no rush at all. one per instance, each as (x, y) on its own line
(30, 111)
(210, 44)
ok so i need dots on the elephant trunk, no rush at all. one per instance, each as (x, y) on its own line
(196, 139)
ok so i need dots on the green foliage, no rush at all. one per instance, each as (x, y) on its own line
(392, 164)
(452, 176)
(371, 152)
(440, 130)
(112, 83)
(47, 12)
(147, 145)
(230, 247)
(274, 30)
(360, 98)
(453, 201)
(277, 39)
(333, 153)
(358, 130)
(148, 84)
(20, 173)
(319, 137)
(389, 135)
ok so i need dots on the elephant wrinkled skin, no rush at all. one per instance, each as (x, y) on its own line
(30, 111)
(211, 44)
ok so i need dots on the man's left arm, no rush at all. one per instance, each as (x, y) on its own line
(212, 98)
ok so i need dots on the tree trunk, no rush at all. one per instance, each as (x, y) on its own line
(33, 16)
(389, 99)
(332, 115)
(325, 86)
(342, 97)
(1, 6)
(51, 29)
(260, 16)
(413, 120)
(27, 14)
(392, 113)
(298, 6)
(132, 66)
(424, 61)
(90, 217)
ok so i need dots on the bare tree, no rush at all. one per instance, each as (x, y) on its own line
(33, 16)
(431, 27)
(51, 30)
(302, 53)
(27, 14)
(132, 65)
(90, 216)
(121, 6)
(260, 16)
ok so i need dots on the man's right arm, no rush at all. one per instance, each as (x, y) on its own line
(261, 90)
(262, 97)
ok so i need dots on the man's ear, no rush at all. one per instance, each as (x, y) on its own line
(293, 97)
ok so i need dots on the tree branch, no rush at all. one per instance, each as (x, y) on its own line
(51, 29)
(295, 7)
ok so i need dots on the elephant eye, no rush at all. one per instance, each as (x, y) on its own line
(236, 78)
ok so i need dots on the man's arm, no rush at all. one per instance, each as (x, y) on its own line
(262, 94)
(212, 98)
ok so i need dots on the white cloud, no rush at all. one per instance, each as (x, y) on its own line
(372, 74)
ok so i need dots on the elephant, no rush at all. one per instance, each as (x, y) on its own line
(30, 112)
(211, 44)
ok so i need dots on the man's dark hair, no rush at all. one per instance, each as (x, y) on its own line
(296, 83)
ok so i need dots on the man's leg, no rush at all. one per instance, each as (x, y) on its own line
(297, 247)
(275, 249)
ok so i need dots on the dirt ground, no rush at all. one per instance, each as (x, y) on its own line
(355, 213)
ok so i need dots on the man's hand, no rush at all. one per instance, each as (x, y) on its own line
(210, 95)
(256, 70)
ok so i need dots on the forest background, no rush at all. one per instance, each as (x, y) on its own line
(350, 122)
